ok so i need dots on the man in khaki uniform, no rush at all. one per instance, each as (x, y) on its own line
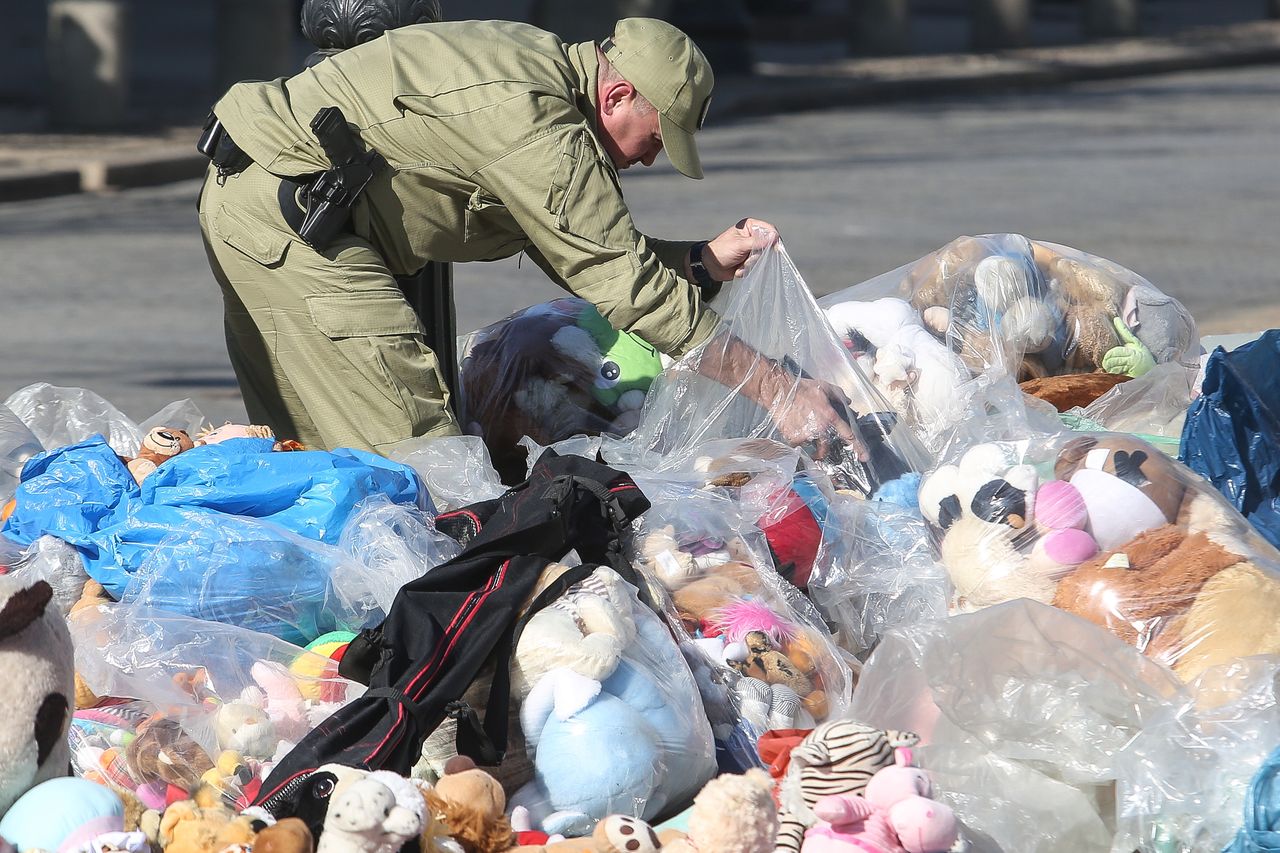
(498, 139)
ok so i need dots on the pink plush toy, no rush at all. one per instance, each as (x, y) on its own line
(893, 815)
(1061, 519)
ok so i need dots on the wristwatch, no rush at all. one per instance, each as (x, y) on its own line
(700, 274)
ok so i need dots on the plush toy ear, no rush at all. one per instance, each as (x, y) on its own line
(24, 607)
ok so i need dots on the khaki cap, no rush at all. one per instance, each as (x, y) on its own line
(668, 69)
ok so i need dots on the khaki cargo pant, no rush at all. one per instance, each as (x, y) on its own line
(324, 345)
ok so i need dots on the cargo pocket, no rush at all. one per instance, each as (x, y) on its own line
(394, 376)
(250, 236)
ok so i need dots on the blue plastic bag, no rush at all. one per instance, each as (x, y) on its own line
(84, 494)
(1231, 436)
(1261, 830)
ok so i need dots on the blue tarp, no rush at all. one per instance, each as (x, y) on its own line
(84, 494)
(1231, 436)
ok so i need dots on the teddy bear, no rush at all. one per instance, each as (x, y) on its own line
(161, 753)
(894, 814)
(1072, 390)
(289, 835)
(552, 371)
(245, 729)
(903, 360)
(202, 824)
(158, 446)
(838, 757)
(37, 661)
(469, 804)
(731, 814)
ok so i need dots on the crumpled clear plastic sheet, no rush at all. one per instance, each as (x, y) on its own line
(772, 311)
(227, 699)
(768, 659)
(51, 560)
(258, 576)
(1184, 778)
(455, 468)
(1153, 405)
(609, 710)
(17, 445)
(551, 371)
(1105, 526)
(59, 416)
(876, 571)
(931, 333)
(1021, 710)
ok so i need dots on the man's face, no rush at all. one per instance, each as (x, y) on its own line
(628, 132)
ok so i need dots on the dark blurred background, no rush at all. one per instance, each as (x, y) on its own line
(165, 61)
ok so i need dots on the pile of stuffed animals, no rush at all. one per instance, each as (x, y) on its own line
(1107, 527)
(1004, 305)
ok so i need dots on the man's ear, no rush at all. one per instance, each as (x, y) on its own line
(615, 94)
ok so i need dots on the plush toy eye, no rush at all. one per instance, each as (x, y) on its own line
(323, 787)
(609, 372)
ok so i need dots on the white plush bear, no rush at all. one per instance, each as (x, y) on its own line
(584, 632)
(907, 357)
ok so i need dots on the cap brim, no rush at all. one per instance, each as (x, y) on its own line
(680, 148)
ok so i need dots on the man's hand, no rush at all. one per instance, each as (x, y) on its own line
(728, 255)
(815, 414)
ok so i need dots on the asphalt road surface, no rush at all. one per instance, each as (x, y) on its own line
(1174, 177)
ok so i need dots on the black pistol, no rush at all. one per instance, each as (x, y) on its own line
(330, 196)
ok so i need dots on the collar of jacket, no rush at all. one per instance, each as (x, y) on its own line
(586, 65)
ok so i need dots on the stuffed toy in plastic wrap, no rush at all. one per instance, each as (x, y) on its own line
(552, 371)
(1107, 527)
(609, 710)
(1004, 305)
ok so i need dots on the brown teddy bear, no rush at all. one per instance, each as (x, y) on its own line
(1233, 616)
(1137, 590)
(1073, 389)
(158, 446)
(162, 752)
(469, 804)
(203, 825)
(289, 835)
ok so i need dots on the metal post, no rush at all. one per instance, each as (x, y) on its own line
(87, 53)
(877, 27)
(1110, 18)
(333, 26)
(998, 24)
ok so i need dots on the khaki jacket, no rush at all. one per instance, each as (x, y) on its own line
(489, 130)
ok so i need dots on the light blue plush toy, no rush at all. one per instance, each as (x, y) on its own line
(619, 745)
(62, 812)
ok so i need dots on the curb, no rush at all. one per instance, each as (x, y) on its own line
(849, 83)
(788, 88)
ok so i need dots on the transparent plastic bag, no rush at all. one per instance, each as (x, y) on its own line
(551, 371)
(771, 311)
(60, 416)
(1153, 407)
(609, 710)
(1021, 710)
(455, 468)
(877, 570)
(1183, 779)
(257, 576)
(395, 544)
(227, 700)
(17, 445)
(1003, 305)
(765, 643)
(1107, 527)
(51, 560)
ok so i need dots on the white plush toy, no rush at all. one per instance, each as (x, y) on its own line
(907, 357)
(366, 818)
(37, 660)
(585, 632)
